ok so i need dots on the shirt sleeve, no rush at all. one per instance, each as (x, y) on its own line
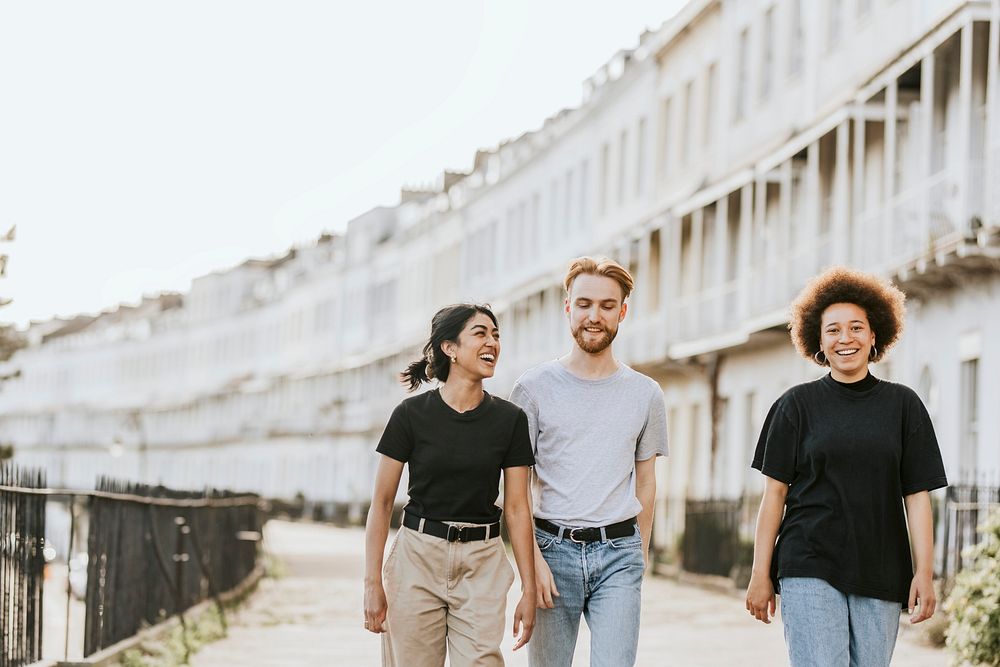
(777, 447)
(653, 439)
(397, 438)
(519, 453)
(921, 467)
(520, 397)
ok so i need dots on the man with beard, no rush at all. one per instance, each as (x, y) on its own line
(596, 428)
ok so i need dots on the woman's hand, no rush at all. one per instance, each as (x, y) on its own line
(922, 592)
(544, 583)
(919, 519)
(375, 607)
(760, 598)
(524, 618)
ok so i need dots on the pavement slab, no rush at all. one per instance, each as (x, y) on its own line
(312, 616)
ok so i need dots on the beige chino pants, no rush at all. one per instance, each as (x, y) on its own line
(444, 594)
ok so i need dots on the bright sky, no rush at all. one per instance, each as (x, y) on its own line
(143, 144)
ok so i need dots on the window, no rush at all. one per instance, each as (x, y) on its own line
(753, 482)
(602, 201)
(512, 238)
(709, 114)
(797, 39)
(742, 76)
(834, 22)
(528, 248)
(583, 192)
(622, 161)
(554, 221)
(536, 221)
(969, 444)
(666, 144)
(720, 447)
(688, 124)
(767, 57)
(640, 156)
(568, 204)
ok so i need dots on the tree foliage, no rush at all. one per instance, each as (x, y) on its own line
(11, 340)
(974, 602)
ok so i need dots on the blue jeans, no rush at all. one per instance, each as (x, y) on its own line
(601, 580)
(826, 628)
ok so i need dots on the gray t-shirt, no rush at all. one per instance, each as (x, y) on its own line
(587, 436)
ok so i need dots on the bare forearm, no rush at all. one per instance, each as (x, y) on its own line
(647, 497)
(522, 540)
(376, 532)
(772, 508)
(919, 518)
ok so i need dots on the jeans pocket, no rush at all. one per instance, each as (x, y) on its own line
(627, 542)
(544, 540)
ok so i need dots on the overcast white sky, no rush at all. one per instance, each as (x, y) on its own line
(143, 144)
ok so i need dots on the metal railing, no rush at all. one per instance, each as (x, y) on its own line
(152, 553)
(711, 542)
(965, 505)
(22, 567)
(155, 552)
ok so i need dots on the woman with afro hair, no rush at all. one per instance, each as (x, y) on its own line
(842, 456)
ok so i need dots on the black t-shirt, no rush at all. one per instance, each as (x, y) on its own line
(849, 457)
(455, 458)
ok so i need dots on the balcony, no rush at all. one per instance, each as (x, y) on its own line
(932, 234)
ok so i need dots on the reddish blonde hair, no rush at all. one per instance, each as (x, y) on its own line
(602, 266)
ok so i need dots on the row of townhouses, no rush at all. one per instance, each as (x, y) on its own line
(737, 151)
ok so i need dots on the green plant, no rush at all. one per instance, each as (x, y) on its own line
(974, 602)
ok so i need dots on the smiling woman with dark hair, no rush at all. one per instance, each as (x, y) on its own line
(842, 456)
(445, 581)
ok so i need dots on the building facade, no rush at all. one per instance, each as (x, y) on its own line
(733, 154)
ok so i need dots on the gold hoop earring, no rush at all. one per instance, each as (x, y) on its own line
(873, 354)
(817, 360)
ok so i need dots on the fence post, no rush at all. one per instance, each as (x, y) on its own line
(181, 557)
(69, 572)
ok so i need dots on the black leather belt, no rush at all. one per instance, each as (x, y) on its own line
(449, 532)
(612, 531)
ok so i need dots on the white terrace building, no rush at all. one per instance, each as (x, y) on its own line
(737, 151)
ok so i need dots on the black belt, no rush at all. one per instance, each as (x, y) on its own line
(449, 532)
(611, 531)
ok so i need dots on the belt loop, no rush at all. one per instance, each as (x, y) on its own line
(420, 526)
(562, 531)
(604, 535)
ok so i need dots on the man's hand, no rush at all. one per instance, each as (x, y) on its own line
(544, 583)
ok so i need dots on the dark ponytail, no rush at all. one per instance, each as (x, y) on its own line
(446, 325)
(420, 371)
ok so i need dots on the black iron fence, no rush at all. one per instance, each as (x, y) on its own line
(155, 552)
(711, 542)
(152, 553)
(965, 505)
(22, 566)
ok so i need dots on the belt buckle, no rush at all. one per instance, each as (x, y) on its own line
(572, 537)
(454, 533)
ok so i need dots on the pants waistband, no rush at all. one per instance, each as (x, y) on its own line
(581, 535)
(449, 532)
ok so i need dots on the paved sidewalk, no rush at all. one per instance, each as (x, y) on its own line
(312, 616)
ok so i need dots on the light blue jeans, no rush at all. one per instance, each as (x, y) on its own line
(827, 628)
(600, 580)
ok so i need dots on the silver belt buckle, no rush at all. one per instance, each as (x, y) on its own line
(573, 538)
